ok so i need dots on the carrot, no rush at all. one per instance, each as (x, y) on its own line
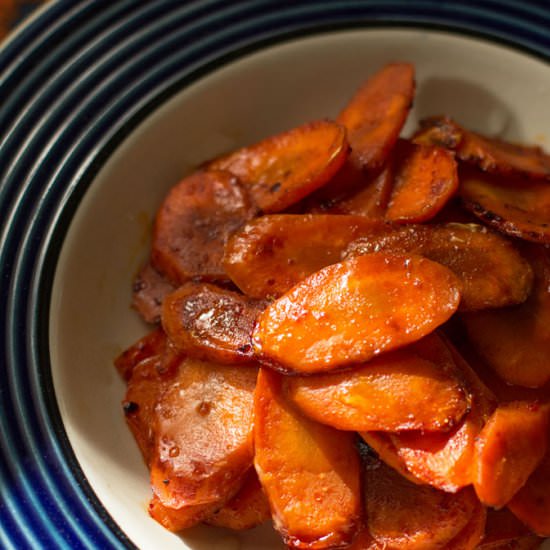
(425, 179)
(351, 311)
(472, 534)
(148, 292)
(518, 208)
(268, 256)
(178, 519)
(376, 113)
(503, 531)
(211, 323)
(203, 434)
(515, 342)
(508, 449)
(192, 224)
(491, 270)
(416, 388)
(283, 169)
(310, 473)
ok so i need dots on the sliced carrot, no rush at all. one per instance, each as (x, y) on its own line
(203, 434)
(425, 179)
(493, 273)
(283, 169)
(376, 113)
(472, 534)
(178, 519)
(531, 504)
(273, 253)
(519, 208)
(364, 541)
(515, 342)
(403, 515)
(351, 311)
(508, 449)
(148, 292)
(503, 531)
(489, 154)
(193, 223)
(416, 388)
(209, 322)
(248, 508)
(309, 472)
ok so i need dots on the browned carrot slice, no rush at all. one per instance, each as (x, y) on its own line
(425, 179)
(472, 534)
(309, 472)
(193, 223)
(209, 322)
(515, 342)
(532, 503)
(178, 519)
(376, 113)
(283, 169)
(503, 531)
(364, 541)
(508, 449)
(492, 271)
(519, 208)
(248, 508)
(403, 515)
(203, 434)
(269, 255)
(416, 388)
(489, 154)
(351, 311)
(148, 292)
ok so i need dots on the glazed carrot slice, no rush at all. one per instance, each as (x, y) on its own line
(489, 154)
(376, 113)
(269, 255)
(503, 531)
(531, 504)
(515, 342)
(283, 169)
(203, 434)
(492, 271)
(178, 519)
(403, 515)
(416, 388)
(472, 534)
(508, 449)
(519, 208)
(425, 179)
(309, 472)
(248, 508)
(212, 323)
(351, 311)
(193, 223)
(148, 292)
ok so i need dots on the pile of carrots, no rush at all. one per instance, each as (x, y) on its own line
(352, 336)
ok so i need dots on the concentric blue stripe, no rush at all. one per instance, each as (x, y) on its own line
(73, 83)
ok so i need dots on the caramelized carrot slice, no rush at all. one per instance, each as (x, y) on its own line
(531, 504)
(178, 519)
(519, 208)
(309, 472)
(209, 322)
(515, 342)
(416, 388)
(425, 179)
(283, 169)
(193, 223)
(503, 531)
(148, 292)
(403, 515)
(248, 508)
(472, 534)
(508, 449)
(351, 311)
(376, 113)
(492, 271)
(203, 434)
(269, 256)
(489, 154)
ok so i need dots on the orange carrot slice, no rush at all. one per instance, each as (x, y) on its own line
(178, 519)
(283, 169)
(425, 179)
(503, 531)
(269, 256)
(473, 532)
(376, 113)
(351, 311)
(148, 292)
(508, 449)
(309, 472)
(193, 223)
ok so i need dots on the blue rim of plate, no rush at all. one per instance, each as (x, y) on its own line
(74, 82)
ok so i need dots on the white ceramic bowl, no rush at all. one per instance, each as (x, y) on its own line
(485, 86)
